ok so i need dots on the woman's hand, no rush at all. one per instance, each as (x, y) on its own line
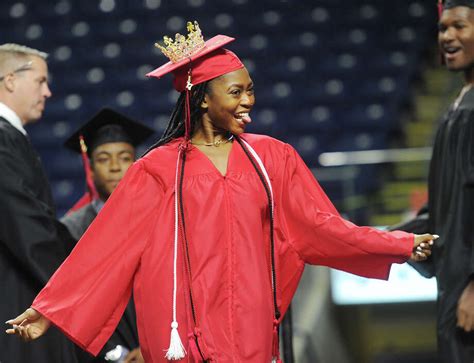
(29, 326)
(422, 246)
(135, 356)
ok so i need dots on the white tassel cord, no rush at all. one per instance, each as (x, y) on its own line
(262, 168)
(176, 349)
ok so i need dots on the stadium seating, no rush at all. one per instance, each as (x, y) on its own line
(329, 74)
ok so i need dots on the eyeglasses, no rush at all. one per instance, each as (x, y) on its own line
(24, 67)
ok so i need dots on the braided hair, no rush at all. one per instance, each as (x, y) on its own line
(175, 126)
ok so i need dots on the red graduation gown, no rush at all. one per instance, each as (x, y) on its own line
(130, 245)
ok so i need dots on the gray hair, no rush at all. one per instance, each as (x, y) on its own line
(21, 50)
(15, 58)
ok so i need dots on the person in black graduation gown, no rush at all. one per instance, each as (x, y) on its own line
(32, 241)
(110, 139)
(450, 209)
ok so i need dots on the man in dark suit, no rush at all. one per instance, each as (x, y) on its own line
(32, 242)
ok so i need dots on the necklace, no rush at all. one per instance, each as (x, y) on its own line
(216, 143)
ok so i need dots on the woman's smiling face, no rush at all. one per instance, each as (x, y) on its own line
(229, 100)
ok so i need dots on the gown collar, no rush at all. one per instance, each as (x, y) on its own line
(8, 114)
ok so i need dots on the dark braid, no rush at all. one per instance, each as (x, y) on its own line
(175, 126)
(272, 222)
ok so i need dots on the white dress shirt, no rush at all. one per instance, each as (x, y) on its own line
(8, 114)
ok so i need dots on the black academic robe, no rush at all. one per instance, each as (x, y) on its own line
(126, 332)
(32, 246)
(451, 216)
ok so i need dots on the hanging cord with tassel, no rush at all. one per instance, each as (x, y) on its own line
(176, 349)
(187, 108)
(89, 179)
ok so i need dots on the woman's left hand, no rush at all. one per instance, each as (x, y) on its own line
(422, 246)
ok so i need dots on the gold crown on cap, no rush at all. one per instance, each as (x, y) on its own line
(183, 46)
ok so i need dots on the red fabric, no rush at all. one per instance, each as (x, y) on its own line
(210, 62)
(130, 245)
(87, 170)
(187, 115)
(276, 342)
(210, 66)
(91, 192)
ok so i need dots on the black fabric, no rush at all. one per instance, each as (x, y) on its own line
(451, 211)
(448, 4)
(32, 246)
(109, 133)
(108, 126)
(451, 216)
(126, 334)
(78, 221)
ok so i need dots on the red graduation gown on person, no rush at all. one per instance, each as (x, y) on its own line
(130, 245)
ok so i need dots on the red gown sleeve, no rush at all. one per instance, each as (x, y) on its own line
(87, 295)
(319, 235)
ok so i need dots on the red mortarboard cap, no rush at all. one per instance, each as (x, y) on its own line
(210, 62)
(193, 61)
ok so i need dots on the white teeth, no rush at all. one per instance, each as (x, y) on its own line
(451, 50)
(243, 117)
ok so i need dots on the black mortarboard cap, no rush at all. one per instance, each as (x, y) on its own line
(108, 126)
(448, 4)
